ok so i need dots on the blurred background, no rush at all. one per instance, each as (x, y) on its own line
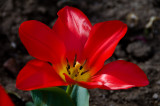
(141, 45)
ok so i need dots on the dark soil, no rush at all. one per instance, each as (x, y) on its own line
(141, 45)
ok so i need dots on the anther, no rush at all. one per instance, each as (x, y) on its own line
(68, 67)
(75, 60)
(68, 72)
(84, 72)
(67, 61)
(82, 65)
(50, 63)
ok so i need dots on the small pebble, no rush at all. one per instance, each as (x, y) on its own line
(13, 44)
(158, 82)
(155, 96)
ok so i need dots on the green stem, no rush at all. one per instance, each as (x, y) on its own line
(69, 89)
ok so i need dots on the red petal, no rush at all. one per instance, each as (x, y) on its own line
(38, 74)
(73, 27)
(118, 75)
(4, 98)
(69, 80)
(76, 22)
(102, 41)
(90, 85)
(40, 41)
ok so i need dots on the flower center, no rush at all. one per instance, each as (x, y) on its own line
(76, 71)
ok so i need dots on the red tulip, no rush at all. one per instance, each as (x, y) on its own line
(74, 52)
(4, 98)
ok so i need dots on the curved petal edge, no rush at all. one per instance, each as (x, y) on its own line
(5, 100)
(37, 74)
(118, 75)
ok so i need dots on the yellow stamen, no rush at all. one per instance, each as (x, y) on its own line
(76, 72)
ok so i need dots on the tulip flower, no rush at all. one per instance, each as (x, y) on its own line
(4, 98)
(74, 52)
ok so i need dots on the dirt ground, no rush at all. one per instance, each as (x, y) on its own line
(140, 45)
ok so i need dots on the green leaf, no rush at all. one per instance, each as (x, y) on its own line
(51, 97)
(80, 96)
